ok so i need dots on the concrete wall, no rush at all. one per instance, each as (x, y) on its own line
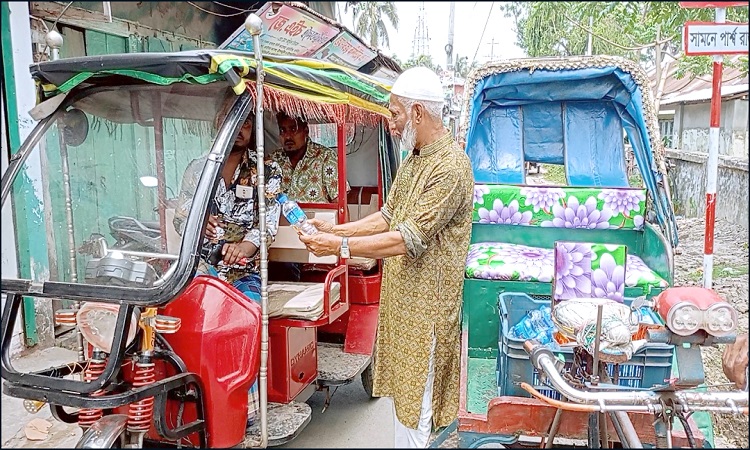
(687, 177)
(178, 17)
(691, 124)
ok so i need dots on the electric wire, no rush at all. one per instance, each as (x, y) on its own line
(489, 14)
(234, 7)
(215, 13)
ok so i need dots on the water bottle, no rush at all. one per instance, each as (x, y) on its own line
(295, 216)
(523, 329)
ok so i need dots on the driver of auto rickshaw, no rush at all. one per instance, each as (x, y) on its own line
(233, 219)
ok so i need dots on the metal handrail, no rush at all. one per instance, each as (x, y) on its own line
(735, 402)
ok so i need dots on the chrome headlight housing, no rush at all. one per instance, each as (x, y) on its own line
(97, 324)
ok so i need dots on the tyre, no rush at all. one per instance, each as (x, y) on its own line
(367, 379)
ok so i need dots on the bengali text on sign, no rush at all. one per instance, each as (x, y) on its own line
(715, 38)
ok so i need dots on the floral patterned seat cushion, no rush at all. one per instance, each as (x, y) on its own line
(515, 262)
(560, 207)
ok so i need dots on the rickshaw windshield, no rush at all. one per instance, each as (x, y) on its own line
(107, 174)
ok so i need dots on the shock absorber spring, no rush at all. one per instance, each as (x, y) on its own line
(94, 368)
(141, 412)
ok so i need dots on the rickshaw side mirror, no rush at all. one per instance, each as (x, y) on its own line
(75, 127)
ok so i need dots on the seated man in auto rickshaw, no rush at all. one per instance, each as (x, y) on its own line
(310, 175)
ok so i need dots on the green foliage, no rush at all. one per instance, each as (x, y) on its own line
(627, 29)
(719, 272)
(421, 61)
(369, 19)
(555, 174)
(635, 180)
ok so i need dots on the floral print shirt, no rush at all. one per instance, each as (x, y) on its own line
(237, 209)
(315, 179)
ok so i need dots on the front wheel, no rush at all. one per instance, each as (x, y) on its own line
(367, 379)
(105, 433)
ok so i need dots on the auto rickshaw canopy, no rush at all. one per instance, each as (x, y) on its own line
(569, 105)
(308, 88)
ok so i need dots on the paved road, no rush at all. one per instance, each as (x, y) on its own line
(351, 421)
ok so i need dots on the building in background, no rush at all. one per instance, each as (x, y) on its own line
(684, 119)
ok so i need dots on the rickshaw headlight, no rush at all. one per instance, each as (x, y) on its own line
(720, 319)
(684, 319)
(97, 324)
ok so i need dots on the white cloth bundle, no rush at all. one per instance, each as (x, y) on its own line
(576, 319)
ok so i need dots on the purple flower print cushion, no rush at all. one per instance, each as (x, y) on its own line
(576, 215)
(639, 274)
(543, 198)
(479, 192)
(572, 270)
(503, 261)
(508, 215)
(622, 201)
(531, 263)
(608, 281)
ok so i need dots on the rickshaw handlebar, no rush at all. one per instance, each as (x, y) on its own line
(735, 402)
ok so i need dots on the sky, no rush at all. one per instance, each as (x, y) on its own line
(469, 21)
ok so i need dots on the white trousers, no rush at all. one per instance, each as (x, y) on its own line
(419, 438)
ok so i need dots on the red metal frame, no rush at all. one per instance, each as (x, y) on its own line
(689, 5)
(330, 314)
(685, 31)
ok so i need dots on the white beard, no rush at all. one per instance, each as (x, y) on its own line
(408, 137)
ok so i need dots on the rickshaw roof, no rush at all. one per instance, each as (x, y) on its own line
(306, 87)
(618, 80)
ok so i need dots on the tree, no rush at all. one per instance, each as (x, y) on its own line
(421, 61)
(461, 66)
(369, 21)
(627, 29)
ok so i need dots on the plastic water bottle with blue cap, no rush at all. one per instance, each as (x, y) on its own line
(295, 216)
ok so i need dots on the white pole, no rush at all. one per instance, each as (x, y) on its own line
(254, 26)
(712, 165)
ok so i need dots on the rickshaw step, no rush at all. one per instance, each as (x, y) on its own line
(336, 368)
(285, 422)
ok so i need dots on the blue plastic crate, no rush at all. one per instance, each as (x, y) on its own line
(650, 366)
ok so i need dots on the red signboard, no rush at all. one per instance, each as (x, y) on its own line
(711, 4)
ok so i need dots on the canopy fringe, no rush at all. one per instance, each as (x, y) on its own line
(277, 100)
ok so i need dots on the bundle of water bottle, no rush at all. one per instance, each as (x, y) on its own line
(539, 325)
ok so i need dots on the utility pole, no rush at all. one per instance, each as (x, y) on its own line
(449, 45)
(590, 44)
(492, 48)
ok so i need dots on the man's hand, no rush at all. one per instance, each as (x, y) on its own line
(322, 244)
(234, 252)
(734, 361)
(213, 223)
(321, 225)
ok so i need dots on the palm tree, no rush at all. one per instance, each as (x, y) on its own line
(369, 20)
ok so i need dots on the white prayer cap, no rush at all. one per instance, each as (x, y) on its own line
(419, 83)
